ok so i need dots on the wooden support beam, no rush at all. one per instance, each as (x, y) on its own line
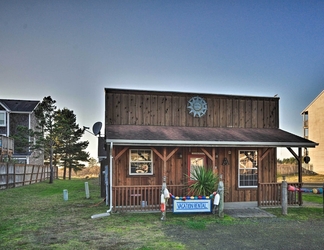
(212, 156)
(165, 157)
(265, 154)
(293, 153)
(121, 153)
(299, 162)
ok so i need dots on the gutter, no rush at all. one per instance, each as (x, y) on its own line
(110, 189)
(211, 143)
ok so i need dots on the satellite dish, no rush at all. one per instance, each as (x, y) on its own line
(96, 128)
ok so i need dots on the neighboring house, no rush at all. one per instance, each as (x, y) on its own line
(152, 134)
(313, 124)
(14, 113)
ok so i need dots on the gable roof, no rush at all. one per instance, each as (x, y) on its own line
(19, 105)
(317, 97)
(203, 136)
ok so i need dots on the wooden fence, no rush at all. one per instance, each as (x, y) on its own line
(269, 195)
(15, 175)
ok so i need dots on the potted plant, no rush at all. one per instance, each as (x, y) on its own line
(203, 182)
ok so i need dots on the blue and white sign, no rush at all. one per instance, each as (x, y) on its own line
(192, 206)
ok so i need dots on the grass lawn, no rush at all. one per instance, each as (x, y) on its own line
(37, 217)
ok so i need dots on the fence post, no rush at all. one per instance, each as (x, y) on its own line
(284, 199)
(7, 176)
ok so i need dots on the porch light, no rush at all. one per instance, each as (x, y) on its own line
(306, 158)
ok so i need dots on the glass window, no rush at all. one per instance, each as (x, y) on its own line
(248, 168)
(2, 118)
(141, 162)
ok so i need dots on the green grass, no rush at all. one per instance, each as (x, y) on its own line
(299, 213)
(37, 217)
(310, 197)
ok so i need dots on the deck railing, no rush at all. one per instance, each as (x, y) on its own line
(269, 194)
(147, 198)
(143, 198)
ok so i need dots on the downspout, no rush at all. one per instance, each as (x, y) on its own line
(110, 189)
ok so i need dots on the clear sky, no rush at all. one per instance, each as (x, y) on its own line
(73, 49)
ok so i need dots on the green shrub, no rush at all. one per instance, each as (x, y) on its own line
(204, 181)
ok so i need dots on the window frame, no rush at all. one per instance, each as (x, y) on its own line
(4, 124)
(148, 162)
(254, 170)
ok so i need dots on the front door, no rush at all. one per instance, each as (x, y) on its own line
(195, 160)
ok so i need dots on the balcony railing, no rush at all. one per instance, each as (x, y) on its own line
(6, 143)
(6, 146)
(306, 124)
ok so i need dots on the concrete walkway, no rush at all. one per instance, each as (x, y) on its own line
(245, 210)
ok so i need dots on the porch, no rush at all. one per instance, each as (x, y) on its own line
(147, 198)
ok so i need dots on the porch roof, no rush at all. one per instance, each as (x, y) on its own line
(203, 136)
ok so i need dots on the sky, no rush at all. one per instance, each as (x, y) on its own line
(72, 50)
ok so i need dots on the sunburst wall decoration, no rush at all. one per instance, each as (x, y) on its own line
(197, 106)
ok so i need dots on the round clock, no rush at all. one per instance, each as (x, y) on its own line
(197, 106)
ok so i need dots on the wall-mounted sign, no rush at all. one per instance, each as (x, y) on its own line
(197, 106)
(192, 206)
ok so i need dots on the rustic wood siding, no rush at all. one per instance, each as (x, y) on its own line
(127, 107)
(177, 168)
(170, 109)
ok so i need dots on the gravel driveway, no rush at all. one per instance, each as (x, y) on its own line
(255, 233)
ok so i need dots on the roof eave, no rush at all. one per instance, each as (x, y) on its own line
(209, 143)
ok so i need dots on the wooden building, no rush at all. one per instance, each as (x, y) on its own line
(151, 134)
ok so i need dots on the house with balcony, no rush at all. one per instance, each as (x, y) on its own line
(313, 123)
(152, 136)
(12, 114)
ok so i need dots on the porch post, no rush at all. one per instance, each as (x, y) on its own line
(300, 170)
(300, 174)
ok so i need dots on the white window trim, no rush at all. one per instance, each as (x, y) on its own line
(5, 119)
(130, 162)
(256, 168)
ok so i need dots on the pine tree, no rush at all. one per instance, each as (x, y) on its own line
(44, 133)
(70, 148)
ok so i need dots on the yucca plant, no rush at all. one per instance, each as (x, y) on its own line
(203, 182)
